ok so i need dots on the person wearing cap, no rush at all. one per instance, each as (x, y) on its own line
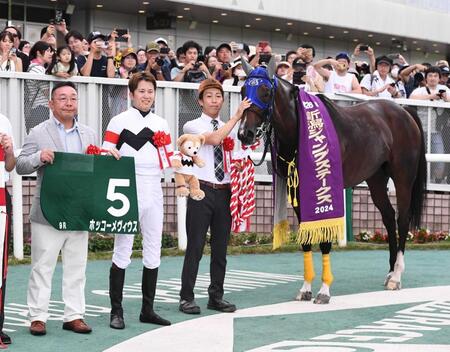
(223, 54)
(154, 64)
(445, 72)
(100, 61)
(213, 211)
(193, 71)
(161, 42)
(338, 80)
(238, 74)
(128, 63)
(284, 70)
(380, 83)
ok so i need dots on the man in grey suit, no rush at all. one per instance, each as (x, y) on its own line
(60, 133)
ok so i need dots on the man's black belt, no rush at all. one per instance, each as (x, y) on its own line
(215, 185)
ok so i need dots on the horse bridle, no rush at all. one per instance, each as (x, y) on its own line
(251, 86)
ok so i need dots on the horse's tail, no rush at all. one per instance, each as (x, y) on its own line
(420, 183)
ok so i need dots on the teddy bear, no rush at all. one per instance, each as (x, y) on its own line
(184, 161)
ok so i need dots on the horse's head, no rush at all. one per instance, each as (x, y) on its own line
(260, 88)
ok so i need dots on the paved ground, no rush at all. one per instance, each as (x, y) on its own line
(361, 317)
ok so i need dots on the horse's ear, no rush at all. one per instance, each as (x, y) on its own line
(271, 68)
(246, 66)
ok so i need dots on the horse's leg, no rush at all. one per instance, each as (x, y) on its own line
(377, 186)
(305, 293)
(403, 192)
(323, 296)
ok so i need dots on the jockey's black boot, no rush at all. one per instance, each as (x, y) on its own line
(116, 280)
(149, 279)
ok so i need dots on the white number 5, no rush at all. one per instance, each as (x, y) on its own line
(112, 196)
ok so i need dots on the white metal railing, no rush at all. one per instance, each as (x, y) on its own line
(95, 102)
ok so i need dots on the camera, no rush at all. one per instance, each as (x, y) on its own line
(164, 50)
(196, 66)
(392, 84)
(299, 66)
(225, 66)
(58, 18)
(159, 61)
(264, 58)
(440, 93)
(363, 47)
(297, 77)
(105, 45)
(419, 77)
(13, 51)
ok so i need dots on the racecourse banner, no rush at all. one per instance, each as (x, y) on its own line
(90, 193)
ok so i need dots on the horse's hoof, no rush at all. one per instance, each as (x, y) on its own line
(304, 296)
(322, 299)
(388, 277)
(393, 285)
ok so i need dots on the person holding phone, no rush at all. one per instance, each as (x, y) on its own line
(313, 81)
(9, 61)
(100, 61)
(433, 91)
(379, 83)
(263, 54)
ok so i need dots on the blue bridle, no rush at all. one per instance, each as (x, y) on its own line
(258, 77)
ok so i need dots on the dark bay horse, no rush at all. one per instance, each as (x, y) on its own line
(378, 140)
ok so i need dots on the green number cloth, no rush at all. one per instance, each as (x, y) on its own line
(90, 193)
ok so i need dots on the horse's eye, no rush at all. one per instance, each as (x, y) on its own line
(264, 93)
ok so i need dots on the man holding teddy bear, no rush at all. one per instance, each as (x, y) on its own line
(213, 211)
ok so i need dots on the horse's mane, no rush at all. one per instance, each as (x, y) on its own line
(331, 107)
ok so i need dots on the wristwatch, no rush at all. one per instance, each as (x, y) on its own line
(110, 57)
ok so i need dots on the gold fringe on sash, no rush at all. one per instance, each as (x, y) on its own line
(326, 230)
(280, 234)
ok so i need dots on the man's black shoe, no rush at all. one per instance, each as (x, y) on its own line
(116, 321)
(153, 318)
(189, 307)
(5, 338)
(221, 305)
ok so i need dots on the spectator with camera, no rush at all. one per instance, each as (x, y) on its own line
(263, 54)
(432, 89)
(100, 61)
(435, 92)
(338, 80)
(17, 35)
(413, 76)
(154, 62)
(74, 40)
(313, 82)
(9, 61)
(380, 83)
(224, 56)
(194, 71)
(366, 49)
(284, 70)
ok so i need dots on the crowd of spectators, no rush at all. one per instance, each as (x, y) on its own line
(114, 56)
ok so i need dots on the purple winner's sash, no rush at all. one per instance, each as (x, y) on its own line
(320, 174)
